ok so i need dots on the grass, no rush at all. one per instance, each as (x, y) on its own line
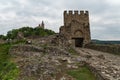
(8, 69)
(72, 51)
(82, 73)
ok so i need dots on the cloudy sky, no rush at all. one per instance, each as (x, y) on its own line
(104, 15)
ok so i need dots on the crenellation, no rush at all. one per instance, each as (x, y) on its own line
(76, 12)
(70, 12)
(81, 12)
(65, 12)
(86, 12)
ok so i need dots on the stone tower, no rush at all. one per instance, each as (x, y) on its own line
(42, 25)
(76, 28)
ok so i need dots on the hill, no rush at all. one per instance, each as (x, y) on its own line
(39, 60)
(27, 32)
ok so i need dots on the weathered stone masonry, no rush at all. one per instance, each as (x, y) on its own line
(76, 28)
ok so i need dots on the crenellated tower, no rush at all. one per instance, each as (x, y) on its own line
(76, 27)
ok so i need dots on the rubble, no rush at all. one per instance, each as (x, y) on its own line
(104, 65)
(50, 62)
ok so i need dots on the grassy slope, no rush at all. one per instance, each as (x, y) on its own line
(82, 73)
(8, 69)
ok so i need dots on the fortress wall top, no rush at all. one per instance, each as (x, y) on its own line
(70, 12)
(80, 16)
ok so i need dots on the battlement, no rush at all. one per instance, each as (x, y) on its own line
(75, 12)
(79, 16)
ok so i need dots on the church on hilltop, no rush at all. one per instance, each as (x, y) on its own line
(42, 25)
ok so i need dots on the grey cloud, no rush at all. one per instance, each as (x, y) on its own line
(106, 31)
(34, 11)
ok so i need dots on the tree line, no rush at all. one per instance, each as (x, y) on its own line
(27, 31)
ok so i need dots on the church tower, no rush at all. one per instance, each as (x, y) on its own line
(42, 25)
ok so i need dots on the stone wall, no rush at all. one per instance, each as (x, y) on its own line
(114, 49)
(95, 72)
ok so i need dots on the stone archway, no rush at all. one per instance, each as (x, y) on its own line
(78, 42)
(78, 38)
(78, 33)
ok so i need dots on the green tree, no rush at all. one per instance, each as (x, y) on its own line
(12, 34)
(28, 31)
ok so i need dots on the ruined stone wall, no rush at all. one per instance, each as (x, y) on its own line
(114, 49)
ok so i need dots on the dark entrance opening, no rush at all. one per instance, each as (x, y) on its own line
(78, 42)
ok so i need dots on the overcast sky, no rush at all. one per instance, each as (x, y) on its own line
(104, 15)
